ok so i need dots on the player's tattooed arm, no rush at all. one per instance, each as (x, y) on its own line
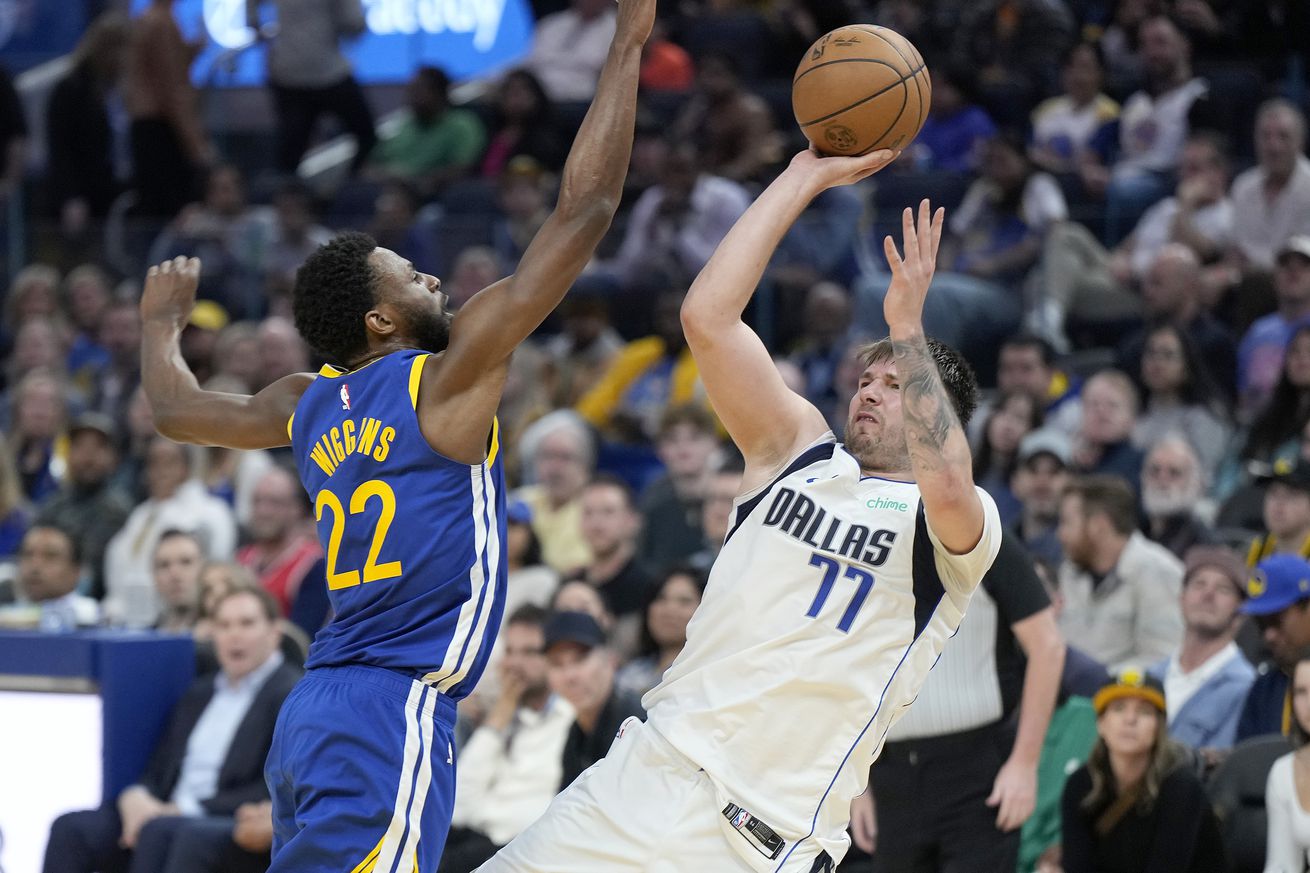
(938, 448)
(930, 420)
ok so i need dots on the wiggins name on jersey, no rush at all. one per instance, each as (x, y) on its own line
(828, 604)
(411, 538)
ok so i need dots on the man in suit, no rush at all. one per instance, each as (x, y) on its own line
(209, 765)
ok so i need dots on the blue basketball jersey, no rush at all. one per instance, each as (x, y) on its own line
(414, 540)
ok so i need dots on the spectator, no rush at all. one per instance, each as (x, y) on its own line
(1109, 405)
(199, 770)
(1027, 363)
(169, 143)
(665, 65)
(283, 550)
(39, 344)
(721, 490)
(524, 193)
(732, 128)
(958, 775)
(686, 442)
(611, 524)
(523, 125)
(1286, 513)
(87, 295)
(175, 500)
(49, 568)
(1207, 679)
(1015, 46)
(676, 224)
(475, 268)
(1181, 398)
(1040, 474)
(646, 378)
(1173, 491)
(309, 75)
(1013, 417)
(217, 579)
(510, 768)
(569, 48)
(1087, 284)
(581, 670)
(559, 456)
(120, 337)
(530, 581)
(1279, 601)
(1271, 201)
(578, 596)
(1172, 292)
(1152, 128)
(1260, 355)
(178, 559)
(583, 350)
(79, 133)
(1067, 128)
(436, 143)
(1136, 806)
(956, 129)
(669, 607)
(38, 409)
(399, 224)
(1120, 590)
(827, 333)
(1287, 843)
(1276, 431)
(237, 355)
(14, 515)
(13, 138)
(289, 233)
(282, 351)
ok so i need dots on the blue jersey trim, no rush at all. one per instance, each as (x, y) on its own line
(928, 587)
(487, 582)
(814, 823)
(418, 768)
(810, 456)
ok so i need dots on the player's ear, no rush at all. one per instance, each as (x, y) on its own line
(380, 321)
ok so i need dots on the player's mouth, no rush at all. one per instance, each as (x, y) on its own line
(865, 416)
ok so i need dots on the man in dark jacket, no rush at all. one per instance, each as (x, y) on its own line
(209, 764)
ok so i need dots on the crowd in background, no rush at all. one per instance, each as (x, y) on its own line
(1126, 265)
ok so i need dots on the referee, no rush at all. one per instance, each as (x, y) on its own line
(958, 775)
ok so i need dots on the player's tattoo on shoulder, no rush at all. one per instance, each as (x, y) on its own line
(929, 417)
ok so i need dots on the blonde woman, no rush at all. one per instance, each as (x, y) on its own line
(1289, 785)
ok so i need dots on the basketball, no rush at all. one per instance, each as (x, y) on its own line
(861, 88)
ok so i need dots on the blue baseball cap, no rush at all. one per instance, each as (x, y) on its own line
(518, 512)
(574, 627)
(1276, 584)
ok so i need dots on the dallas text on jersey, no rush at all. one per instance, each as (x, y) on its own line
(800, 517)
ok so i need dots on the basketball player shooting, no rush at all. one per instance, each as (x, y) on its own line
(845, 570)
(398, 448)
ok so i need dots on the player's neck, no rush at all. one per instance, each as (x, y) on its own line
(898, 475)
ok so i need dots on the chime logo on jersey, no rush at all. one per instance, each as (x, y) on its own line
(345, 396)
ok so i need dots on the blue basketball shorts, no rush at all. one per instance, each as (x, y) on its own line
(361, 773)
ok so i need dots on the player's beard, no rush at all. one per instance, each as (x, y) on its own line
(884, 452)
(432, 330)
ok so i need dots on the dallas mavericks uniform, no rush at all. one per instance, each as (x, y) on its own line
(361, 770)
(828, 605)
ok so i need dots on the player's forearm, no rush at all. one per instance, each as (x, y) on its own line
(592, 181)
(169, 383)
(723, 289)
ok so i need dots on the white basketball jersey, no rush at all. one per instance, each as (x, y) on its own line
(825, 610)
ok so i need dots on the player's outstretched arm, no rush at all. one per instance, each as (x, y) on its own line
(183, 411)
(492, 324)
(939, 450)
(766, 420)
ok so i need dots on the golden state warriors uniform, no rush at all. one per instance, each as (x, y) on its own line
(416, 576)
(827, 606)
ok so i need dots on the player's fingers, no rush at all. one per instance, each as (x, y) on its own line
(153, 271)
(911, 238)
(938, 222)
(893, 256)
(924, 230)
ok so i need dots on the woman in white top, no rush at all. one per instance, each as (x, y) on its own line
(1287, 794)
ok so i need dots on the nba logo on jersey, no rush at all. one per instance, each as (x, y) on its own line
(345, 396)
(740, 819)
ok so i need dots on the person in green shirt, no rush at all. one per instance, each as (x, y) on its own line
(436, 143)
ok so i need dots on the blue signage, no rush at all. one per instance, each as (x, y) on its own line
(33, 31)
(466, 38)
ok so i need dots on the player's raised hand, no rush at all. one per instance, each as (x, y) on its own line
(170, 291)
(913, 272)
(635, 20)
(824, 172)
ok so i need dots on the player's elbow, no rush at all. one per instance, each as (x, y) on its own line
(586, 211)
(700, 321)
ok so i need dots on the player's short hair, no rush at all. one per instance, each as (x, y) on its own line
(1109, 496)
(957, 376)
(334, 289)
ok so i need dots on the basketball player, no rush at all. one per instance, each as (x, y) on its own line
(399, 450)
(845, 569)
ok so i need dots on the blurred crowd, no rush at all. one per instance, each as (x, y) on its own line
(1126, 265)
